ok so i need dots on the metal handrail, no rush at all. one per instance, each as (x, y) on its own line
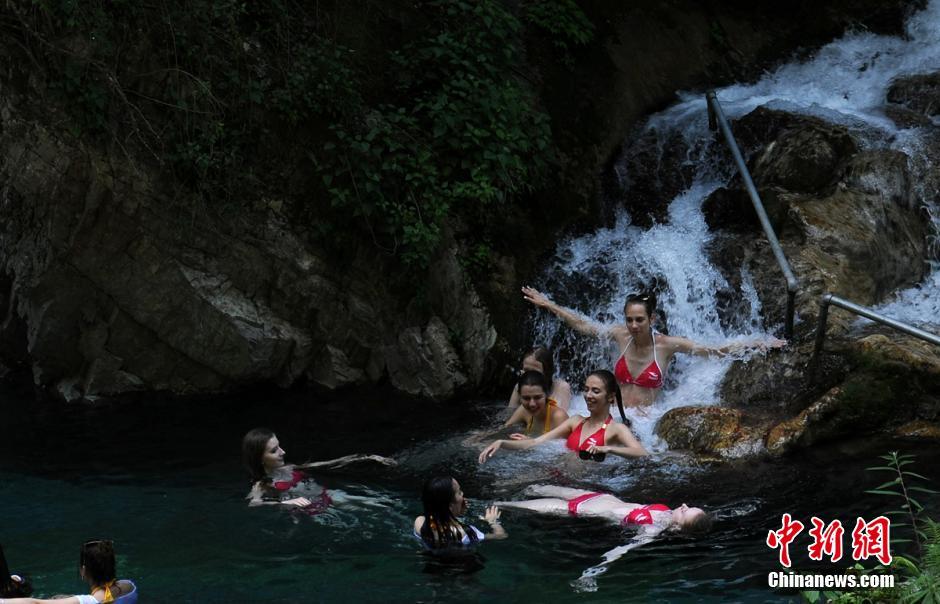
(866, 312)
(716, 120)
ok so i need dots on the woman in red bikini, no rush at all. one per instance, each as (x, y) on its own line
(649, 520)
(645, 354)
(273, 480)
(591, 437)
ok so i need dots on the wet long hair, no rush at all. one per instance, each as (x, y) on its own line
(441, 528)
(97, 558)
(543, 355)
(10, 588)
(534, 378)
(610, 385)
(253, 445)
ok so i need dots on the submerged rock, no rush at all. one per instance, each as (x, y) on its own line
(918, 93)
(709, 430)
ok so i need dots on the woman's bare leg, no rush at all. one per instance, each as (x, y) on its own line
(543, 506)
(548, 490)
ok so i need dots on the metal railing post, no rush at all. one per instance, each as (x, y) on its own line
(862, 311)
(717, 116)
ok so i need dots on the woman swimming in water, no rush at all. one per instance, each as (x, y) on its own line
(592, 437)
(539, 413)
(273, 480)
(650, 520)
(540, 359)
(645, 354)
(444, 505)
(98, 568)
(11, 585)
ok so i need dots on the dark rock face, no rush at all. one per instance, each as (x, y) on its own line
(119, 292)
(919, 93)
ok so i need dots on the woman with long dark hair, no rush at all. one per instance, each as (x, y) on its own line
(11, 585)
(98, 568)
(273, 480)
(558, 390)
(592, 437)
(645, 354)
(441, 525)
(537, 410)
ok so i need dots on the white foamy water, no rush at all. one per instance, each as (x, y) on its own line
(845, 82)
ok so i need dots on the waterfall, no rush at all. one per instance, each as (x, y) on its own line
(845, 82)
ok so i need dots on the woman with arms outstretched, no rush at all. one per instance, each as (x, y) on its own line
(645, 354)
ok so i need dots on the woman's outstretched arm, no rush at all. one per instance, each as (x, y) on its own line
(576, 321)
(588, 579)
(559, 432)
(339, 462)
(676, 344)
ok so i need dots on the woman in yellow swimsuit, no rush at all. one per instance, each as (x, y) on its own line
(537, 410)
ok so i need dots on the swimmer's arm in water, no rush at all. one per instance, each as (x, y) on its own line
(645, 536)
(559, 432)
(256, 497)
(628, 446)
(676, 344)
(575, 320)
(340, 462)
(519, 416)
(492, 518)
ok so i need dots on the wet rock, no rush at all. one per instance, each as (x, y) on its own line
(863, 404)
(919, 429)
(918, 93)
(424, 363)
(710, 431)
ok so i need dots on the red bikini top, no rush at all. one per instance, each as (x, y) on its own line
(296, 477)
(641, 515)
(597, 439)
(651, 377)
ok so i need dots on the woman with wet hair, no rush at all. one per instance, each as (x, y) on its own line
(273, 480)
(537, 410)
(540, 359)
(645, 355)
(11, 585)
(650, 521)
(98, 568)
(592, 437)
(441, 526)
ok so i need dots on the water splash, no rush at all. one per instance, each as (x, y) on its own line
(845, 82)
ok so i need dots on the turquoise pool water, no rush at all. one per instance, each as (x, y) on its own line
(163, 479)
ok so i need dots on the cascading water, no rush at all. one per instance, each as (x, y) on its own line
(845, 82)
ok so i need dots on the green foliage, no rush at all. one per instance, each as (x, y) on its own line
(243, 100)
(563, 19)
(921, 584)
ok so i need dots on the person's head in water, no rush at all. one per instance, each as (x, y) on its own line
(11, 585)
(692, 521)
(639, 312)
(540, 359)
(601, 387)
(261, 453)
(96, 563)
(533, 388)
(444, 504)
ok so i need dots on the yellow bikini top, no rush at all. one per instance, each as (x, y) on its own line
(108, 596)
(548, 418)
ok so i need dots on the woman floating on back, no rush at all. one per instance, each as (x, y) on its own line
(649, 520)
(592, 437)
(273, 479)
(645, 354)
